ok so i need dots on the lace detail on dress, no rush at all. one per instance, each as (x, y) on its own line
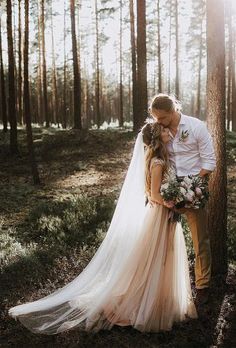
(170, 173)
(155, 161)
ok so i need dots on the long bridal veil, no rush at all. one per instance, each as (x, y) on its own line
(80, 303)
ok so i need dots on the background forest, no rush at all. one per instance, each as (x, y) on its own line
(76, 79)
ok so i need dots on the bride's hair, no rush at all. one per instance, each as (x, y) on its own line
(154, 148)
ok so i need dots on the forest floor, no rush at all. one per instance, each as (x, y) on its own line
(95, 163)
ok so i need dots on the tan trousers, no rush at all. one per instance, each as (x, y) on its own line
(197, 222)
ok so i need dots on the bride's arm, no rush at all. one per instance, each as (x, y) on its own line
(156, 178)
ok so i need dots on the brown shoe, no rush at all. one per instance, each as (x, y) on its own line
(202, 296)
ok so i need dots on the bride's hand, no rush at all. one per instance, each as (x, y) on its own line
(169, 205)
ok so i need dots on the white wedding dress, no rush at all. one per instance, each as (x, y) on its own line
(139, 275)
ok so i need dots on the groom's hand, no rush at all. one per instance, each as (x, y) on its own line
(204, 173)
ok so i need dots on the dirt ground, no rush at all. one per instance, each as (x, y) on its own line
(96, 163)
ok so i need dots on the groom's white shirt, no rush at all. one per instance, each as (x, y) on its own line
(193, 153)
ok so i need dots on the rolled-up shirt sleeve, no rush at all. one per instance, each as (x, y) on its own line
(206, 149)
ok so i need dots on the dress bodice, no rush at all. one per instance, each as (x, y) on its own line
(170, 173)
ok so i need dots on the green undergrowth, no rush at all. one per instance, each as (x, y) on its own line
(78, 220)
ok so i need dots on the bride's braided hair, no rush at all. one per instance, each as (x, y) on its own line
(154, 148)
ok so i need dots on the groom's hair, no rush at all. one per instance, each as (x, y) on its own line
(165, 102)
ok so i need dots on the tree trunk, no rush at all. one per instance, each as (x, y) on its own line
(234, 88)
(64, 118)
(198, 108)
(177, 48)
(121, 116)
(141, 63)
(169, 47)
(2, 86)
(77, 80)
(159, 47)
(97, 83)
(20, 113)
(54, 77)
(134, 67)
(11, 83)
(217, 222)
(45, 92)
(15, 55)
(27, 98)
(41, 116)
(230, 65)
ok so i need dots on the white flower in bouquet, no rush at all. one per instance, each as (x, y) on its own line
(187, 182)
(164, 186)
(183, 191)
(190, 196)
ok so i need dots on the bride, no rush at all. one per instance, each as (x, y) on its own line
(139, 275)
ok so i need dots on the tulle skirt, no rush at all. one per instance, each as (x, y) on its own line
(149, 291)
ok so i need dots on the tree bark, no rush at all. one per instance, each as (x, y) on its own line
(169, 48)
(11, 83)
(3, 88)
(45, 92)
(159, 48)
(40, 110)
(54, 77)
(230, 65)
(134, 67)
(234, 87)
(64, 118)
(19, 67)
(97, 83)
(198, 108)
(217, 223)
(77, 80)
(27, 98)
(177, 49)
(141, 63)
(121, 116)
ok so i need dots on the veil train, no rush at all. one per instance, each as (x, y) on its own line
(80, 303)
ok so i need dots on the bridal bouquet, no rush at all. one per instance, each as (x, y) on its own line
(190, 192)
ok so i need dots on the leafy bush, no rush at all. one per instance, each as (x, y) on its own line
(79, 220)
(9, 246)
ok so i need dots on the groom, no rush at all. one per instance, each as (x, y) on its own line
(191, 152)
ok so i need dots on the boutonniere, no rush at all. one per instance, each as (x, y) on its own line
(184, 135)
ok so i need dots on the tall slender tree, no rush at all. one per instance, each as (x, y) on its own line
(121, 116)
(20, 113)
(198, 107)
(177, 49)
(169, 45)
(97, 79)
(2, 86)
(64, 118)
(27, 98)
(159, 48)
(230, 63)
(11, 83)
(40, 109)
(45, 91)
(77, 78)
(217, 223)
(134, 67)
(141, 62)
(234, 85)
(54, 74)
